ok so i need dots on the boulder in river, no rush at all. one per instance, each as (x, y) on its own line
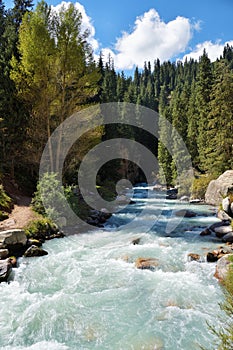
(185, 213)
(219, 224)
(14, 240)
(222, 230)
(226, 206)
(212, 256)
(206, 232)
(219, 188)
(223, 216)
(35, 251)
(5, 270)
(228, 238)
(194, 257)
(146, 263)
(136, 241)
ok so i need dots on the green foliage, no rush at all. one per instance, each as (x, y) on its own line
(50, 192)
(54, 74)
(200, 185)
(51, 195)
(40, 228)
(3, 215)
(107, 190)
(5, 200)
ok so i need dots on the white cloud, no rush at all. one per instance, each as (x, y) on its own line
(152, 38)
(214, 50)
(86, 21)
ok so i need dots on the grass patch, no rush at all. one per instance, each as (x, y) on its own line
(40, 228)
(200, 185)
(5, 200)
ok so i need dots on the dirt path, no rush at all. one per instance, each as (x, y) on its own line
(20, 215)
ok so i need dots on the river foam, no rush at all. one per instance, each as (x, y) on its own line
(88, 294)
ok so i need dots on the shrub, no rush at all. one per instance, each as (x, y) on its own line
(40, 228)
(200, 185)
(5, 200)
(3, 215)
(52, 195)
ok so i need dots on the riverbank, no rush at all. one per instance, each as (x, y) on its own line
(89, 293)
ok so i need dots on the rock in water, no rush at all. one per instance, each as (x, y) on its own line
(13, 240)
(226, 205)
(206, 232)
(5, 270)
(212, 257)
(222, 230)
(194, 257)
(136, 241)
(219, 188)
(223, 216)
(35, 251)
(228, 238)
(146, 263)
(185, 213)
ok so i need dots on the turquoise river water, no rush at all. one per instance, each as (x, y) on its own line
(88, 294)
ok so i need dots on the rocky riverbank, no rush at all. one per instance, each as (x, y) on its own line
(220, 193)
(14, 243)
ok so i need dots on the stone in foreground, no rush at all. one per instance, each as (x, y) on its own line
(219, 188)
(5, 270)
(13, 240)
(35, 251)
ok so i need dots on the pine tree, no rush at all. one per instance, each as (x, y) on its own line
(204, 89)
(219, 152)
(178, 108)
(164, 155)
(193, 119)
(20, 8)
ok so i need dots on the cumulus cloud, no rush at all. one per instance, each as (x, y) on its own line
(152, 38)
(214, 50)
(86, 21)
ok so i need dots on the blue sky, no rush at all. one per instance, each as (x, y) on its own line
(137, 30)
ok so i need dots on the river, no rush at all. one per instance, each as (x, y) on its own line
(88, 294)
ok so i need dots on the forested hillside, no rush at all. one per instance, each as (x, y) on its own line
(47, 72)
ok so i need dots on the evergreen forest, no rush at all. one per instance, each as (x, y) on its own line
(48, 72)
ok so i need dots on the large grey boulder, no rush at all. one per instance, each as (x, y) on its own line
(13, 240)
(228, 238)
(5, 270)
(222, 267)
(222, 230)
(219, 188)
